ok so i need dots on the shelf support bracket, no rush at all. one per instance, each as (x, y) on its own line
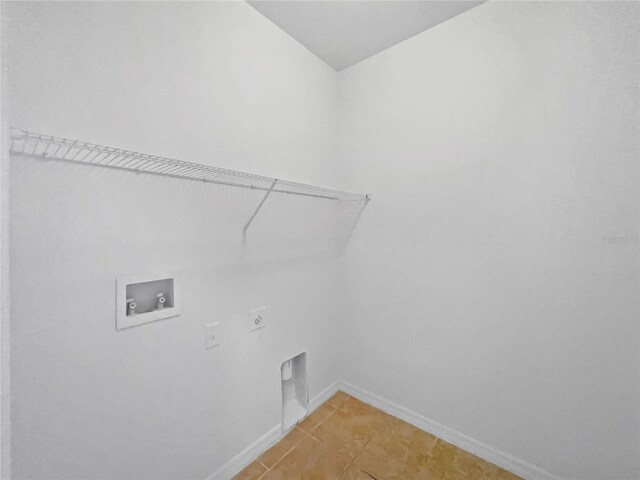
(255, 212)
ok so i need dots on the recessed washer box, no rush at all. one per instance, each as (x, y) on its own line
(145, 298)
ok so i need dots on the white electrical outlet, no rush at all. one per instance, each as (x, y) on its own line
(257, 318)
(212, 333)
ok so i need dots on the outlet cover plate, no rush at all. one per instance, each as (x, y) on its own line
(257, 318)
(212, 332)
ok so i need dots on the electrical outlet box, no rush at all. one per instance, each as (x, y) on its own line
(258, 318)
(212, 333)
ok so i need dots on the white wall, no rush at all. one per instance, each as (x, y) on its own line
(207, 82)
(501, 147)
(5, 343)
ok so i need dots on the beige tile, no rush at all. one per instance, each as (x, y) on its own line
(338, 399)
(312, 421)
(344, 433)
(384, 458)
(407, 434)
(368, 416)
(448, 473)
(284, 446)
(252, 472)
(432, 469)
(473, 467)
(346, 439)
(353, 406)
(309, 460)
(443, 452)
(504, 475)
(354, 473)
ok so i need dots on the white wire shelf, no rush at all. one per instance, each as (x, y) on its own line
(49, 147)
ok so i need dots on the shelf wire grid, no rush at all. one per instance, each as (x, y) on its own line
(49, 147)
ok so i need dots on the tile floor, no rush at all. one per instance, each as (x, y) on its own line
(346, 439)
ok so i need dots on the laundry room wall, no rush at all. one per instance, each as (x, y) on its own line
(213, 83)
(493, 280)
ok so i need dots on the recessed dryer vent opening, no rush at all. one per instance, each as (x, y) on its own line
(295, 398)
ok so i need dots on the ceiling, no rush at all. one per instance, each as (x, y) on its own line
(344, 32)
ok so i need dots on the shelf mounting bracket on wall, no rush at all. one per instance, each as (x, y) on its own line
(255, 212)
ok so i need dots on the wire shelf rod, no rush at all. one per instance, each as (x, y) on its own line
(62, 149)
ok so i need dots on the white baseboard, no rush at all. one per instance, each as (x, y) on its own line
(490, 454)
(253, 451)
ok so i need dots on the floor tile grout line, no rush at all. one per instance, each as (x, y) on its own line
(280, 459)
(352, 461)
(321, 421)
(268, 469)
(287, 453)
(333, 410)
(262, 464)
(315, 438)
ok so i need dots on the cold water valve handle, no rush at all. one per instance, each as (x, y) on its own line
(161, 300)
(131, 306)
